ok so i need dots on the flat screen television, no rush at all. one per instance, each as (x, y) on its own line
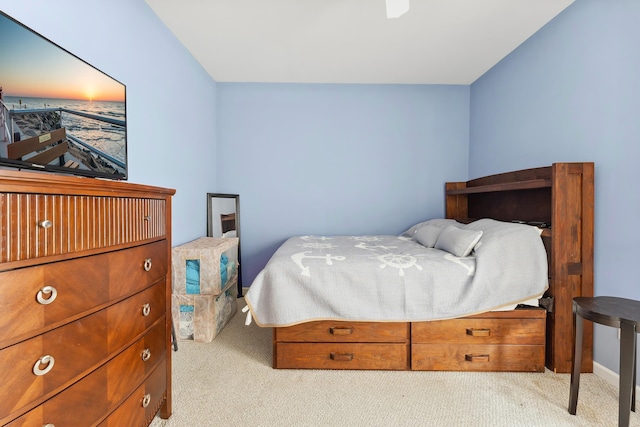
(57, 112)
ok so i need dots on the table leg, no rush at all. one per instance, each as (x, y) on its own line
(633, 389)
(576, 362)
(627, 359)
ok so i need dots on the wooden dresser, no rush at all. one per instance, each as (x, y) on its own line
(85, 324)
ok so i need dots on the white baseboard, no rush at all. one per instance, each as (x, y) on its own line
(609, 376)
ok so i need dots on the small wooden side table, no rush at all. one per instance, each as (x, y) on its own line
(620, 313)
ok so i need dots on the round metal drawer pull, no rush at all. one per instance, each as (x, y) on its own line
(47, 295)
(146, 400)
(44, 360)
(146, 309)
(147, 264)
(45, 224)
(49, 425)
(146, 354)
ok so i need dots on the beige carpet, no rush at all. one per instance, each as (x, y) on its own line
(230, 382)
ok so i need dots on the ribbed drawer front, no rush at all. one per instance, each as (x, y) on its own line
(42, 225)
(342, 356)
(330, 331)
(464, 357)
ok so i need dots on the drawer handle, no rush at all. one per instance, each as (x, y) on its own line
(147, 217)
(476, 357)
(341, 357)
(146, 400)
(146, 354)
(47, 295)
(45, 224)
(146, 309)
(478, 332)
(147, 264)
(47, 360)
(341, 331)
(49, 425)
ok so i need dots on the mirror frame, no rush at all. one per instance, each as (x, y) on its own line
(212, 212)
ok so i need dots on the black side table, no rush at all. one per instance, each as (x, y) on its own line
(620, 313)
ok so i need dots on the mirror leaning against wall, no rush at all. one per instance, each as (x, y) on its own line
(223, 220)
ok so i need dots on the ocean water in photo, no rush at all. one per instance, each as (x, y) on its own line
(106, 137)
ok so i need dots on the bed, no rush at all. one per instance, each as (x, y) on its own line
(373, 327)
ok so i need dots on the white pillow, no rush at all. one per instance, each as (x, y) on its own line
(439, 222)
(457, 241)
(428, 235)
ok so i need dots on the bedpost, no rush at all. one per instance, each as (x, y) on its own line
(456, 205)
(571, 269)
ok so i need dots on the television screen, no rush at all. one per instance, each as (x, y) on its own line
(58, 113)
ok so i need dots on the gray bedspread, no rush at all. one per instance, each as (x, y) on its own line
(394, 278)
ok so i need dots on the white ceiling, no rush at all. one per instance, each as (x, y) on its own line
(352, 41)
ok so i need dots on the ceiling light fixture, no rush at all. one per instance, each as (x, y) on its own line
(397, 8)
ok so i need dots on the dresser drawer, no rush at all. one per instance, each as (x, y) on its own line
(128, 369)
(73, 349)
(36, 297)
(330, 331)
(42, 225)
(467, 357)
(480, 331)
(40, 296)
(131, 317)
(341, 356)
(136, 268)
(103, 389)
(141, 406)
(82, 404)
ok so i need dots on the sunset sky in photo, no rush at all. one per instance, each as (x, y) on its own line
(32, 66)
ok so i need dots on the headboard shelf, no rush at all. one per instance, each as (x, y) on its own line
(561, 195)
(507, 186)
(546, 231)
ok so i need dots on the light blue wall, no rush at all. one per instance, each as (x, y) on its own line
(572, 93)
(337, 159)
(170, 98)
(308, 158)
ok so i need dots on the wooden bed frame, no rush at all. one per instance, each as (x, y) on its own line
(524, 339)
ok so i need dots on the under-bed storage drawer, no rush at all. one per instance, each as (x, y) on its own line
(342, 345)
(341, 356)
(464, 357)
(475, 331)
(334, 331)
(493, 341)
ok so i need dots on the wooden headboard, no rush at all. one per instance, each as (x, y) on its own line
(560, 196)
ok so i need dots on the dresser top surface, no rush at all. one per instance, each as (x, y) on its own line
(48, 183)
